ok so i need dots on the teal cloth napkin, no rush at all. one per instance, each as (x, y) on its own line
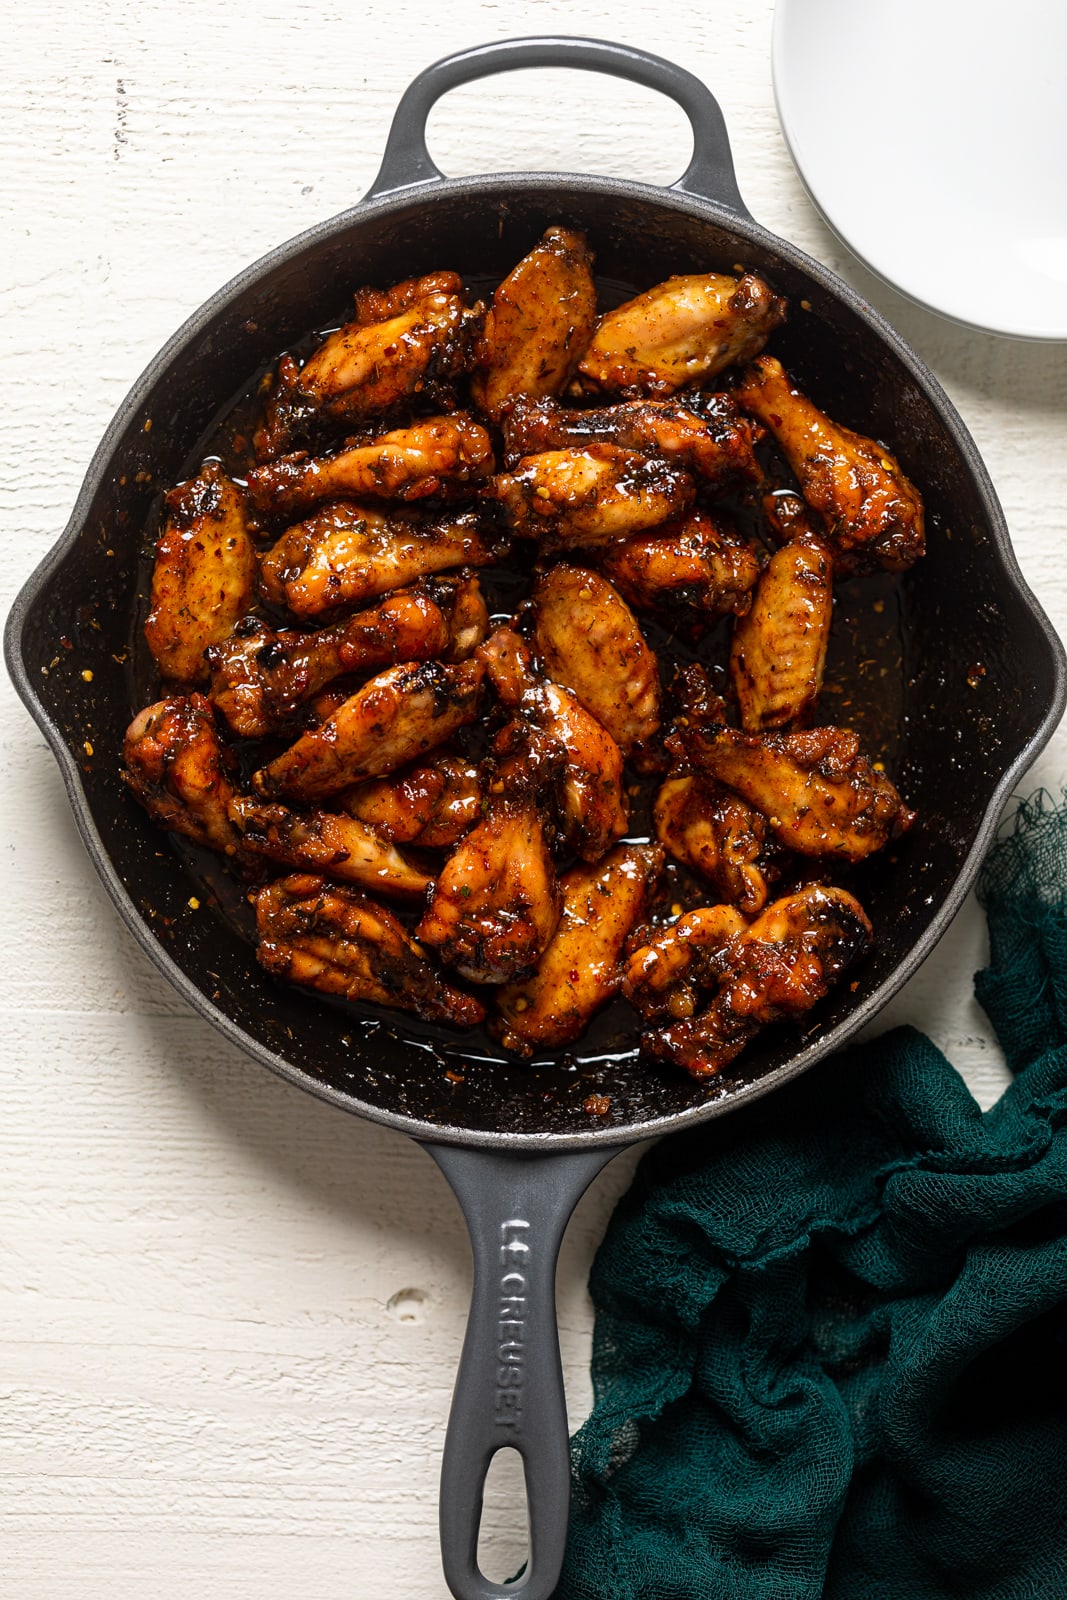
(830, 1354)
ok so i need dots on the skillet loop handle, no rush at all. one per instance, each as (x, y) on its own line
(509, 1389)
(709, 176)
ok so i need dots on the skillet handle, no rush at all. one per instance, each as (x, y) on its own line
(509, 1389)
(709, 176)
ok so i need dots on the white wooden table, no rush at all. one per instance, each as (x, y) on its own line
(229, 1316)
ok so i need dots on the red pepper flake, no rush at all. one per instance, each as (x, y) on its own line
(455, 1077)
(597, 1105)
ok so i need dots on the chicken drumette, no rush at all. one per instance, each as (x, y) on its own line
(432, 804)
(436, 457)
(260, 678)
(579, 972)
(407, 344)
(575, 499)
(174, 764)
(697, 565)
(873, 513)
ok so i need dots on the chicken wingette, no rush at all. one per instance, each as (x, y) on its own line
(820, 795)
(776, 968)
(339, 847)
(778, 650)
(539, 324)
(175, 765)
(392, 719)
(204, 576)
(347, 554)
(496, 903)
(873, 513)
(579, 971)
(589, 641)
(591, 792)
(333, 938)
(716, 834)
(679, 334)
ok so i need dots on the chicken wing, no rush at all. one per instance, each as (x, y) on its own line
(778, 650)
(432, 804)
(539, 325)
(679, 334)
(496, 903)
(176, 767)
(592, 795)
(204, 576)
(778, 968)
(318, 841)
(586, 498)
(873, 513)
(589, 641)
(259, 678)
(820, 796)
(406, 344)
(711, 438)
(579, 971)
(347, 554)
(428, 458)
(664, 977)
(332, 938)
(696, 564)
(716, 834)
(395, 717)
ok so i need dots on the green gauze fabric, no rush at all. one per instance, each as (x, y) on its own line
(830, 1354)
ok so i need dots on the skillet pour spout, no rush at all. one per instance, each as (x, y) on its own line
(515, 1142)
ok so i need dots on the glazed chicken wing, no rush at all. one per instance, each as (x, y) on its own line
(347, 554)
(496, 903)
(398, 715)
(586, 498)
(409, 343)
(713, 439)
(260, 678)
(589, 641)
(204, 576)
(679, 334)
(432, 804)
(593, 809)
(579, 971)
(778, 968)
(174, 764)
(778, 650)
(716, 834)
(664, 977)
(333, 938)
(427, 458)
(820, 796)
(539, 325)
(317, 841)
(873, 513)
(696, 564)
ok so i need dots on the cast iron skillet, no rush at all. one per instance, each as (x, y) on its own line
(976, 688)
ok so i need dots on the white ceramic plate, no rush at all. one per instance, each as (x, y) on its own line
(932, 135)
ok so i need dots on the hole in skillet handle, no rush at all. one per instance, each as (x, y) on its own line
(509, 1387)
(709, 175)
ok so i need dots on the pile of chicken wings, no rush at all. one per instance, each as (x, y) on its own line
(430, 808)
